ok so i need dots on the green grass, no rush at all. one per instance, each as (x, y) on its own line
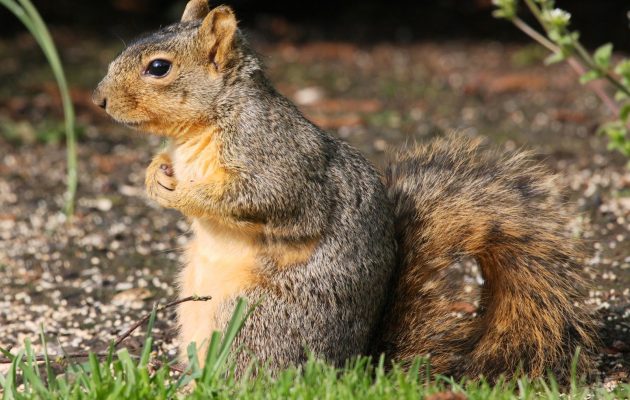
(119, 375)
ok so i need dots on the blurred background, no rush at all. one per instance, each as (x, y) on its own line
(355, 20)
(378, 74)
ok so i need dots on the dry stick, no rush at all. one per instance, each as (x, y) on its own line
(55, 359)
(144, 319)
(578, 68)
(157, 364)
(59, 359)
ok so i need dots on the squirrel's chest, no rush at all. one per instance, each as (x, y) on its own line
(221, 255)
(198, 160)
(221, 263)
(220, 258)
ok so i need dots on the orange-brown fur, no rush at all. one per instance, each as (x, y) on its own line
(286, 255)
(455, 201)
(220, 262)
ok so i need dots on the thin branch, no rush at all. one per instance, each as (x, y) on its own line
(536, 12)
(606, 73)
(56, 359)
(157, 364)
(596, 86)
(534, 34)
(144, 319)
(576, 66)
(61, 359)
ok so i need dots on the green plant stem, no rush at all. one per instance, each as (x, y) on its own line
(585, 55)
(537, 13)
(29, 16)
(573, 63)
(19, 13)
(581, 51)
(606, 74)
(534, 34)
(68, 108)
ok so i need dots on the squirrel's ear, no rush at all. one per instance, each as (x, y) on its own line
(195, 9)
(217, 31)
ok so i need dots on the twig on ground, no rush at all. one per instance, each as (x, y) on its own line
(157, 364)
(56, 359)
(144, 319)
(61, 359)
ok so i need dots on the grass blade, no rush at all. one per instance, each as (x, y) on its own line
(148, 340)
(95, 369)
(234, 327)
(29, 16)
(129, 368)
(212, 357)
(50, 376)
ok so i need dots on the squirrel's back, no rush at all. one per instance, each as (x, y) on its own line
(331, 304)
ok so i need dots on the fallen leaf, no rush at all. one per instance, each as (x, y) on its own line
(516, 82)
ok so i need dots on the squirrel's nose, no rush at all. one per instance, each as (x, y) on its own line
(99, 99)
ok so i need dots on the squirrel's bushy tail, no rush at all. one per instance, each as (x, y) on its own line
(454, 201)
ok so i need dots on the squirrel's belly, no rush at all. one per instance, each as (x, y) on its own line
(220, 263)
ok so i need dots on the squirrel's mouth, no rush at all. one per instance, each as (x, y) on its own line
(130, 124)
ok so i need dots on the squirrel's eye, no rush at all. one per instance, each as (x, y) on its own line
(158, 68)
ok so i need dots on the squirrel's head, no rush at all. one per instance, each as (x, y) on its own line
(169, 82)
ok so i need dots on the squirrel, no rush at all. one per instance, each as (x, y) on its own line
(344, 260)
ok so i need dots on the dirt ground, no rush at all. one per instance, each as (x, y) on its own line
(86, 280)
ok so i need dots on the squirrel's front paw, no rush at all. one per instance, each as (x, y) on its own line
(160, 181)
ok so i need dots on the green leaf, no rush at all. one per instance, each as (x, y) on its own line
(589, 76)
(567, 42)
(499, 14)
(602, 56)
(617, 136)
(505, 9)
(555, 58)
(575, 36)
(555, 36)
(624, 112)
(623, 68)
(620, 95)
(605, 128)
